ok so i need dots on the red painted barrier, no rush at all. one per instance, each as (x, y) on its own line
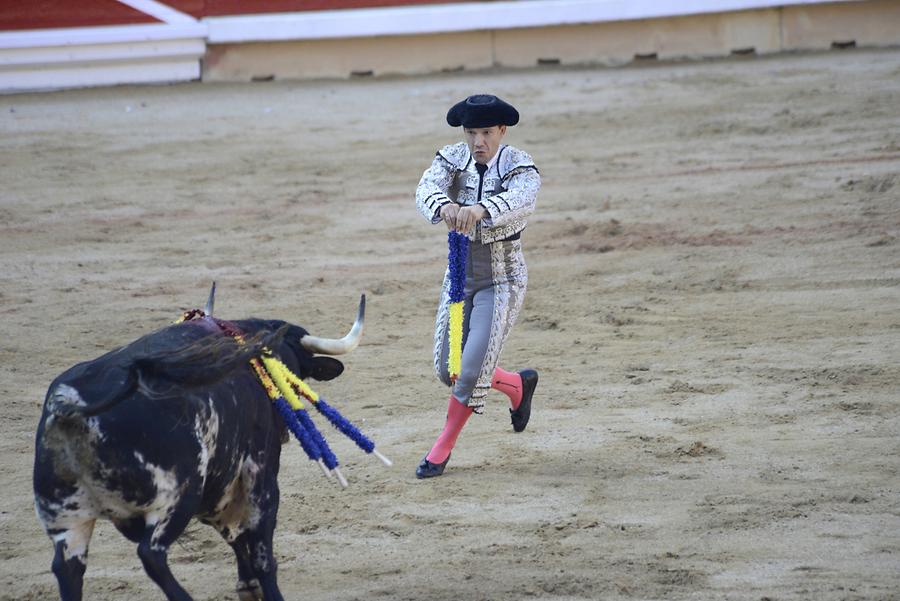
(211, 8)
(46, 14)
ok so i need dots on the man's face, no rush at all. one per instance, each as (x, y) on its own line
(484, 141)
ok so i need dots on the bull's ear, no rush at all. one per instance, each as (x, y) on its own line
(326, 368)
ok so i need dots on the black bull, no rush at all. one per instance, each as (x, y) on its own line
(173, 426)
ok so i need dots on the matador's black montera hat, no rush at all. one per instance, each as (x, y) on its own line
(482, 110)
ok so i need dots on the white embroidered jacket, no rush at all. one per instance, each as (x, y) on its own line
(508, 190)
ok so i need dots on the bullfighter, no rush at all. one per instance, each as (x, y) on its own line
(485, 190)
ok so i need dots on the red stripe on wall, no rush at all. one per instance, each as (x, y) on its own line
(42, 14)
(211, 8)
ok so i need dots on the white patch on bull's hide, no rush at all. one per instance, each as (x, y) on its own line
(68, 512)
(261, 561)
(207, 434)
(64, 394)
(253, 519)
(237, 511)
(73, 445)
(168, 492)
(77, 539)
(92, 499)
(96, 434)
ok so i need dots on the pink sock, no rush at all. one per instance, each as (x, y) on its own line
(457, 415)
(510, 384)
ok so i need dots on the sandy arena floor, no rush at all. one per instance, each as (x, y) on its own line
(714, 306)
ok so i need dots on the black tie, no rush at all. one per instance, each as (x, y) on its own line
(481, 169)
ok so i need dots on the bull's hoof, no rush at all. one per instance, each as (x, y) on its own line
(249, 591)
(427, 469)
(522, 413)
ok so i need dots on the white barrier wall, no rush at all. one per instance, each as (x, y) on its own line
(71, 58)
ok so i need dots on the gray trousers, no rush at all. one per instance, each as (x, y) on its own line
(496, 279)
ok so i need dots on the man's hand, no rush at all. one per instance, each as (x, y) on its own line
(467, 217)
(448, 214)
(462, 219)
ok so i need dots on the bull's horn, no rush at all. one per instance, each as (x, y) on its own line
(211, 300)
(330, 346)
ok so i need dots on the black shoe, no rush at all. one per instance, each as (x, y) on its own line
(427, 469)
(521, 415)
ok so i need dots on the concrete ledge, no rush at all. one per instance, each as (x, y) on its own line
(83, 74)
(97, 56)
(101, 35)
(47, 59)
